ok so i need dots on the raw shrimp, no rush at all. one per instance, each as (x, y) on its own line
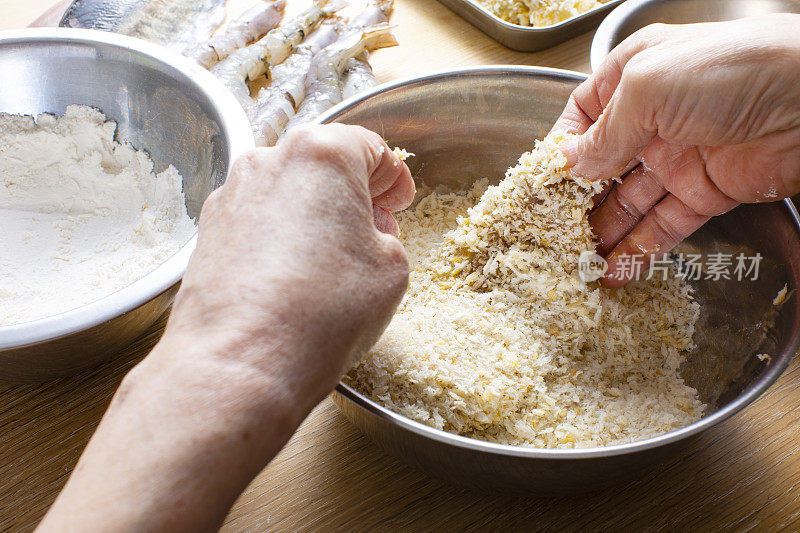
(358, 76)
(253, 61)
(246, 28)
(326, 89)
(276, 103)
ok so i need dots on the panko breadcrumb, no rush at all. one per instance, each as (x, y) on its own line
(498, 338)
(539, 13)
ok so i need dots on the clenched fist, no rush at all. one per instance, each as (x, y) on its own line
(296, 250)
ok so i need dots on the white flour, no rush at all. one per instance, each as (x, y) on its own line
(82, 215)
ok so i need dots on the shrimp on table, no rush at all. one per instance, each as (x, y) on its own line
(246, 64)
(276, 103)
(246, 28)
(357, 76)
(325, 91)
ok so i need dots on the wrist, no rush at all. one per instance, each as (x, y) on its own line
(242, 370)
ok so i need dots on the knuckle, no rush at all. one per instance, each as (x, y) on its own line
(316, 141)
(212, 201)
(212, 207)
(664, 222)
(637, 72)
(651, 30)
(626, 206)
(247, 164)
(396, 265)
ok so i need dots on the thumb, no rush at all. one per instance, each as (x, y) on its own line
(612, 145)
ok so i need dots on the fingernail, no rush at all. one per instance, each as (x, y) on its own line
(384, 221)
(613, 277)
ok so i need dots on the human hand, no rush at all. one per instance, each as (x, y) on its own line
(291, 275)
(697, 119)
(291, 279)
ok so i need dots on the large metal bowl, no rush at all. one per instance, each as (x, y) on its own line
(164, 104)
(636, 14)
(474, 123)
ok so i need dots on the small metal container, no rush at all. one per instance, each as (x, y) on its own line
(636, 14)
(164, 104)
(468, 124)
(527, 38)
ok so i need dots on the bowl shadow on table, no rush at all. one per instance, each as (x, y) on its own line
(365, 489)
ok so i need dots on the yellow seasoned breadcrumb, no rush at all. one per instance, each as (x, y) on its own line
(539, 13)
(499, 339)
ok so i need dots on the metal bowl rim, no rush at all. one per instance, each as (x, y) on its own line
(540, 29)
(601, 41)
(235, 127)
(771, 375)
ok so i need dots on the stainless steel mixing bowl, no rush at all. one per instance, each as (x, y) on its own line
(474, 123)
(636, 14)
(164, 104)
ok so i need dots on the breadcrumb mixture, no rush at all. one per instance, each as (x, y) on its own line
(498, 338)
(539, 13)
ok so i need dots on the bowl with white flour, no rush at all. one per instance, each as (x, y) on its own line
(506, 367)
(108, 148)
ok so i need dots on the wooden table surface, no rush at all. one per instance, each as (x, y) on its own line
(742, 475)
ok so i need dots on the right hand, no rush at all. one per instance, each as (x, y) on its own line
(697, 118)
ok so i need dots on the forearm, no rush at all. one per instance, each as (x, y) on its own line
(262, 329)
(177, 444)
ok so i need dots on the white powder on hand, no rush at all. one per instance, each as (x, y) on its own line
(82, 215)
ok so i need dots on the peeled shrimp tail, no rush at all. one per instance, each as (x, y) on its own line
(367, 39)
(246, 28)
(358, 76)
(253, 61)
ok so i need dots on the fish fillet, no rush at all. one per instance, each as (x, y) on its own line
(176, 24)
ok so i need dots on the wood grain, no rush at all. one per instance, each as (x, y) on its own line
(743, 475)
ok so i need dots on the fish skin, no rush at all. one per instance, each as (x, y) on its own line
(176, 24)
